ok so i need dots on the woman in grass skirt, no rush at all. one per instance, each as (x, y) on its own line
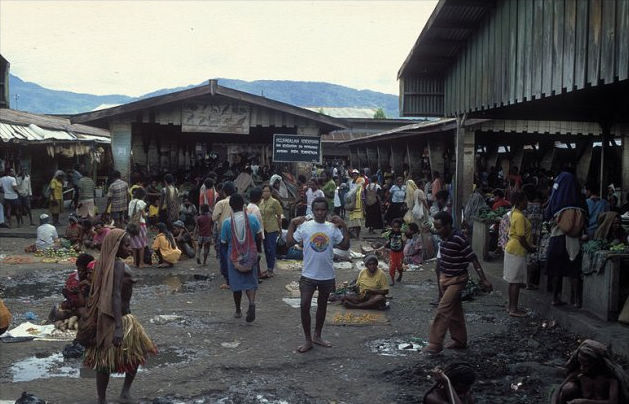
(115, 340)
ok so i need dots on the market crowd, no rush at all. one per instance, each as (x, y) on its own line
(249, 215)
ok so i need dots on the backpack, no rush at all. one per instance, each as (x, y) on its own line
(350, 199)
(571, 221)
(244, 256)
(371, 196)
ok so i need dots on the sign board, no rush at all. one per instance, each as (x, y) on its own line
(215, 118)
(296, 148)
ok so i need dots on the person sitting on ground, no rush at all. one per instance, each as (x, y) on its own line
(47, 236)
(98, 235)
(499, 200)
(395, 244)
(184, 239)
(413, 249)
(203, 231)
(610, 228)
(372, 287)
(593, 377)
(165, 247)
(74, 232)
(187, 212)
(76, 290)
(453, 385)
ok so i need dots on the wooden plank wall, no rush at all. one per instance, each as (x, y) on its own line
(531, 49)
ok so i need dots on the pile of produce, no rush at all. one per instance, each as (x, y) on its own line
(351, 318)
(56, 254)
(71, 323)
(593, 246)
(618, 247)
(487, 215)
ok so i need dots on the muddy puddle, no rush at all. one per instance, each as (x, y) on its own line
(396, 346)
(46, 366)
(170, 284)
(34, 287)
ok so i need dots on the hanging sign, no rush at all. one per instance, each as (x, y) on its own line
(215, 118)
(296, 148)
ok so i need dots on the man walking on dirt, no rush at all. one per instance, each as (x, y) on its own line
(318, 237)
(456, 254)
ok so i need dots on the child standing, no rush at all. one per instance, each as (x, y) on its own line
(204, 233)
(395, 244)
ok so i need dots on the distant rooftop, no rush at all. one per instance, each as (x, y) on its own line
(345, 112)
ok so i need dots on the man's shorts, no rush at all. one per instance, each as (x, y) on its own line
(25, 201)
(204, 240)
(310, 285)
(120, 215)
(13, 203)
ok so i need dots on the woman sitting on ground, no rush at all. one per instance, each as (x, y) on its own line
(372, 288)
(183, 238)
(593, 377)
(76, 289)
(74, 232)
(99, 231)
(165, 247)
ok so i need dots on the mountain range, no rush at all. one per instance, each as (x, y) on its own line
(31, 97)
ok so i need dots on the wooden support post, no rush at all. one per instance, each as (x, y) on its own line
(625, 168)
(584, 161)
(121, 147)
(435, 154)
(517, 150)
(464, 167)
(548, 154)
(605, 136)
(379, 156)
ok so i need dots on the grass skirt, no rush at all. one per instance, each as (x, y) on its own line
(136, 344)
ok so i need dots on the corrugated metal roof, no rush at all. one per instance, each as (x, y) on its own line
(21, 118)
(445, 33)
(18, 126)
(436, 125)
(345, 112)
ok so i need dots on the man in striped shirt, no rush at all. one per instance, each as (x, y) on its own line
(456, 254)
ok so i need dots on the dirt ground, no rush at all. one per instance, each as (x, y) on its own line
(208, 356)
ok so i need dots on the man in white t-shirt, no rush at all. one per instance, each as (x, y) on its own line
(318, 238)
(8, 183)
(46, 233)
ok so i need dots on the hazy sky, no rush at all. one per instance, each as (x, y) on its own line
(133, 47)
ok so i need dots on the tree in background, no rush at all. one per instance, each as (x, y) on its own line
(379, 114)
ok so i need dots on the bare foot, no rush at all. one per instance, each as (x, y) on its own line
(322, 342)
(305, 347)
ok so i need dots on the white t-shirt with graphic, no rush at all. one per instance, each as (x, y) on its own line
(318, 240)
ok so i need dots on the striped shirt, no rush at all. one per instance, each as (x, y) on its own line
(456, 255)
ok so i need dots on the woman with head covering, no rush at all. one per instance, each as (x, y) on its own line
(610, 228)
(115, 340)
(417, 204)
(593, 377)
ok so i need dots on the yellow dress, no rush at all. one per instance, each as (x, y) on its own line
(169, 254)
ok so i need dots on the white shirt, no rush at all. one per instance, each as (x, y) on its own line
(310, 196)
(7, 185)
(138, 204)
(46, 235)
(24, 186)
(318, 240)
(254, 209)
(398, 194)
(337, 198)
